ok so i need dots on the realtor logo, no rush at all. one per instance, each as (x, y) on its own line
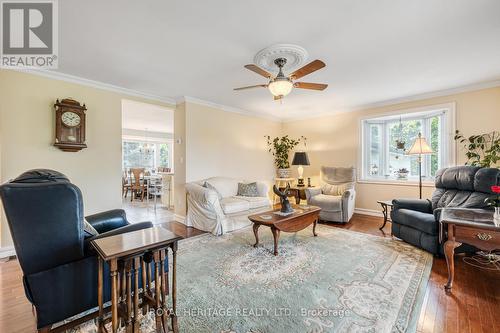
(29, 34)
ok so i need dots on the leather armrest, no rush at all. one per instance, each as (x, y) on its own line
(109, 220)
(419, 205)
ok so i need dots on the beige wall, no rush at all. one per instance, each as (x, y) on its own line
(334, 140)
(219, 143)
(27, 134)
(227, 144)
(180, 159)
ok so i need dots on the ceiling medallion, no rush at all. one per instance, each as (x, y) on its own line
(295, 57)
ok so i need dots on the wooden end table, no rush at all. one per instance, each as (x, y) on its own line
(385, 210)
(470, 226)
(127, 254)
(298, 220)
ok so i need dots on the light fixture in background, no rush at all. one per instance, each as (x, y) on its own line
(420, 147)
(300, 158)
(146, 148)
(280, 87)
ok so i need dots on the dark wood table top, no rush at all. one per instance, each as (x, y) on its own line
(299, 211)
(129, 243)
(479, 218)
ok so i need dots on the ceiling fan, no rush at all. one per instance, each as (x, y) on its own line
(282, 85)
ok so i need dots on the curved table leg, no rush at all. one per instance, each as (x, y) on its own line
(449, 252)
(256, 233)
(384, 211)
(276, 236)
(315, 223)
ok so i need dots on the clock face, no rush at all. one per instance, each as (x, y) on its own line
(70, 119)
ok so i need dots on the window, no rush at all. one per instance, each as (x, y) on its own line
(383, 160)
(149, 155)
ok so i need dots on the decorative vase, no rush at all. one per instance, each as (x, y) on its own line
(496, 216)
(283, 173)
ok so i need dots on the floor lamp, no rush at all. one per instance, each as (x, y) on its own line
(420, 147)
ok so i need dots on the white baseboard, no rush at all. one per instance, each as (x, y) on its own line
(180, 218)
(7, 251)
(371, 212)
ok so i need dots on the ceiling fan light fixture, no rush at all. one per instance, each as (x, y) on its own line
(280, 87)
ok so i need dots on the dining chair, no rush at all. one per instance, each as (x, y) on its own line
(125, 184)
(138, 186)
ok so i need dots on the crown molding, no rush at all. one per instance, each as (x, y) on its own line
(401, 100)
(96, 84)
(226, 108)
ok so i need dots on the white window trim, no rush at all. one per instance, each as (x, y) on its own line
(448, 128)
(154, 141)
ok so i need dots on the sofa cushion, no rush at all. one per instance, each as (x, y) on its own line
(227, 187)
(232, 205)
(248, 190)
(255, 202)
(211, 187)
(328, 203)
(417, 220)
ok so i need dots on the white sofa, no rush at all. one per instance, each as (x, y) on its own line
(222, 210)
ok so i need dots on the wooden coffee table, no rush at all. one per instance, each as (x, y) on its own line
(298, 220)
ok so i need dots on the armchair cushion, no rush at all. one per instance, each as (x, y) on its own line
(416, 219)
(420, 205)
(109, 220)
(330, 189)
(328, 203)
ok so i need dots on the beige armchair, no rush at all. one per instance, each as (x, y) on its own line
(335, 195)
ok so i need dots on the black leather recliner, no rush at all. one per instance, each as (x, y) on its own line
(45, 216)
(416, 221)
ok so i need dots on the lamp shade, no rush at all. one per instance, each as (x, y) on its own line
(300, 158)
(420, 146)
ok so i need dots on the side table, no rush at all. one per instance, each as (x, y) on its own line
(144, 251)
(471, 226)
(385, 210)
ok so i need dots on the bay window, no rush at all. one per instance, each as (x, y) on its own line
(386, 139)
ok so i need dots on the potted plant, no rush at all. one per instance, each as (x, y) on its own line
(280, 147)
(481, 150)
(494, 202)
(403, 173)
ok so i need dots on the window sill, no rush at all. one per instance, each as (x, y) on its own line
(396, 182)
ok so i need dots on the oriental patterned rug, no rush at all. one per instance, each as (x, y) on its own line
(340, 281)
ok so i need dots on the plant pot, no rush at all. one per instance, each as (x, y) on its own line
(402, 175)
(283, 173)
(496, 216)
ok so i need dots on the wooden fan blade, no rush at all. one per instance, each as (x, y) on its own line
(258, 70)
(250, 87)
(307, 85)
(307, 69)
(278, 97)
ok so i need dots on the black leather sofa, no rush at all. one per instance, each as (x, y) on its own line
(416, 221)
(45, 216)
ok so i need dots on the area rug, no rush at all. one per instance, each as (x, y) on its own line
(340, 281)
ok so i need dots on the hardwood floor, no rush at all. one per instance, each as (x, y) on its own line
(473, 306)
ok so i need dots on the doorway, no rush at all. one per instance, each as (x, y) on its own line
(147, 161)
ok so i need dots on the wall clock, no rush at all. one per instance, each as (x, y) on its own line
(70, 125)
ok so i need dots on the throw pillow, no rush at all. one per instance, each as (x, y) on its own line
(211, 187)
(248, 190)
(329, 189)
(89, 229)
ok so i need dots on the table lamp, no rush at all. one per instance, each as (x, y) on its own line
(300, 158)
(420, 147)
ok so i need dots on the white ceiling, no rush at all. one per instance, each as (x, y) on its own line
(374, 50)
(141, 117)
